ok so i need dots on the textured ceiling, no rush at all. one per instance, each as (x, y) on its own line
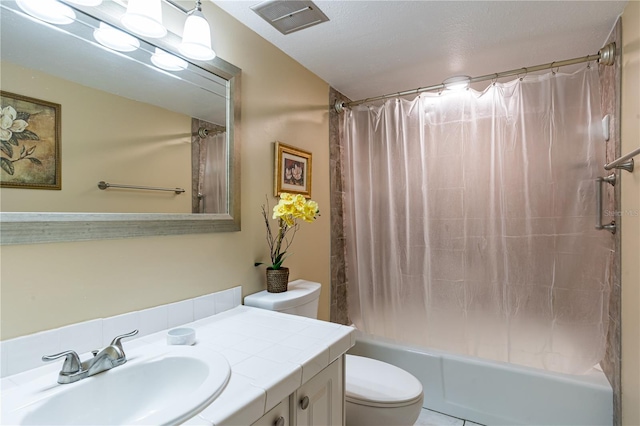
(370, 48)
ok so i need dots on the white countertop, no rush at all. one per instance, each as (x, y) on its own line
(270, 354)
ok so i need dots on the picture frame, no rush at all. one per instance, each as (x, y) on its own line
(292, 170)
(30, 139)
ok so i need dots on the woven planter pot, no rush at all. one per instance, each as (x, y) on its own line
(277, 280)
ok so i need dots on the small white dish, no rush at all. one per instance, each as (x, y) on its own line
(181, 336)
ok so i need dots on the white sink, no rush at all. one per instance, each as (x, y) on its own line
(167, 385)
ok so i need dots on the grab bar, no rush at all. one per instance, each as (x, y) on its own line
(611, 179)
(620, 162)
(104, 185)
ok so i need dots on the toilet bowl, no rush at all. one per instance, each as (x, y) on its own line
(376, 393)
(380, 394)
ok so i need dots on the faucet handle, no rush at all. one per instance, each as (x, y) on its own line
(116, 340)
(71, 363)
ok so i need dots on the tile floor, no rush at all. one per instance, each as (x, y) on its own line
(433, 418)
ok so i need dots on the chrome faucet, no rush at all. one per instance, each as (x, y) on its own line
(74, 370)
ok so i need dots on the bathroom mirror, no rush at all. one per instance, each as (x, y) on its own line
(204, 92)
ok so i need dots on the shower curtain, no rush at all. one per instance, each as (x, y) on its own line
(469, 221)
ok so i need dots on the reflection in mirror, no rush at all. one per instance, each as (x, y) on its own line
(208, 153)
(124, 121)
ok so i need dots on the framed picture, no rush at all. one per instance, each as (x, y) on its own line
(29, 142)
(292, 170)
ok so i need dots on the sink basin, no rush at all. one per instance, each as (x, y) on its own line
(163, 386)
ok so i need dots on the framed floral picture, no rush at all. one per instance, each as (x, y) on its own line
(29, 142)
(292, 170)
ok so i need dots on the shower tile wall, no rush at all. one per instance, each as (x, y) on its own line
(339, 312)
(610, 83)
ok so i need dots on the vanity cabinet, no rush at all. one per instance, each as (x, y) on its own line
(280, 415)
(318, 402)
(308, 389)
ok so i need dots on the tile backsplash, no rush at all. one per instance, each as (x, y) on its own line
(25, 352)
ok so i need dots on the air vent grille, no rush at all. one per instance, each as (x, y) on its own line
(288, 16)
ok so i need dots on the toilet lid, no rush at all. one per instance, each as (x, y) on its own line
(373, 382)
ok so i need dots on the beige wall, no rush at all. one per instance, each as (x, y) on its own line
(116, 140)
(49, 285)
(630, 222)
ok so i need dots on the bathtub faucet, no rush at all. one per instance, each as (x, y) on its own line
(106, 359)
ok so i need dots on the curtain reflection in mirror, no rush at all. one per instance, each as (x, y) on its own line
(210, 168)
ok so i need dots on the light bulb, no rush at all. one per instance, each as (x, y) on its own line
(167, 61)
(51, 11)
(144, 17)
(115, 39)
(458, 82)
(196, 38)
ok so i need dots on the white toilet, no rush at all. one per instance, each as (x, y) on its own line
(377, 393)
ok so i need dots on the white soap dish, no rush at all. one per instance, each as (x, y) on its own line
(181, 336)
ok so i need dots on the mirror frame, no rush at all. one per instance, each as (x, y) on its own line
(46, 227)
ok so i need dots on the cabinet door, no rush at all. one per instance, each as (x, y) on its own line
(320, 401)
(279, 415)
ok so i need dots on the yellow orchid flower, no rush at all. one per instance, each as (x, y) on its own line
(290, 207)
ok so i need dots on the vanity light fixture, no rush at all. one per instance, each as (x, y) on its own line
(51, 11)
(458, 82)
(115, 39)
(86, 2)
(167, 61)
(144, 17)
(196, 36)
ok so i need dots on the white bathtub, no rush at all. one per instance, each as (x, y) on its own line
(495, 393)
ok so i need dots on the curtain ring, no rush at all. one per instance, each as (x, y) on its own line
(526, 71)
(552, 71)
(494, 80)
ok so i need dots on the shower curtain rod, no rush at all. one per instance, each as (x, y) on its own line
(605, 56)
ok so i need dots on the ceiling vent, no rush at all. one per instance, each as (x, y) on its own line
(288, 16)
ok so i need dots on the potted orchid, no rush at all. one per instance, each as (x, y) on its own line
(289, 209)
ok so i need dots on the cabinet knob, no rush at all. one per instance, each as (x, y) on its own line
(279, 422)
(304, 402)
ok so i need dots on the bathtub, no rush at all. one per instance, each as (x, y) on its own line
(495, 393)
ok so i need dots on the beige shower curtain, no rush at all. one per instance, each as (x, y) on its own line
(470, 221)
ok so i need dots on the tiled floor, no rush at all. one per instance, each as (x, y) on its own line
(433, 418)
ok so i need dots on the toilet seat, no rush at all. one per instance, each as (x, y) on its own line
(378, 384)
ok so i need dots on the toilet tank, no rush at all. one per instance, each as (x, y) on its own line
(301, 298)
